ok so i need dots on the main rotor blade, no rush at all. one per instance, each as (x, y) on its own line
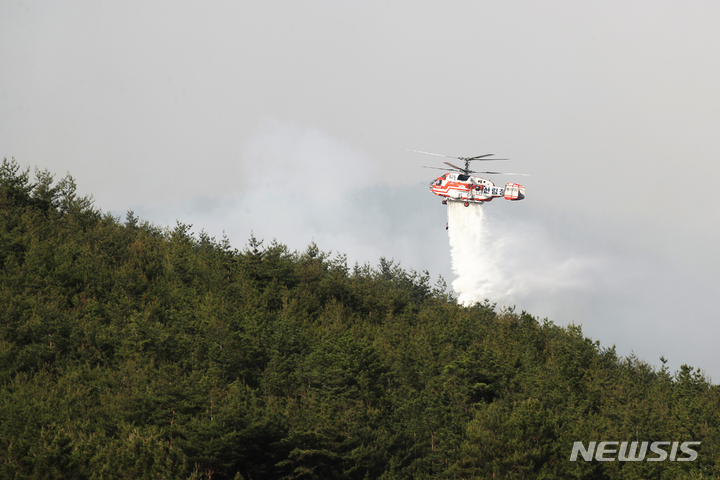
(436, 154)
(485, 159)
(444, 169)
(448, 163)
(471, 171)
(478, 157)
(502, 173)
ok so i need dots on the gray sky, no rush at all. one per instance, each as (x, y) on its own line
(291, 119)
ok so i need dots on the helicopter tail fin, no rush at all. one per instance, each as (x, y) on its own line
(514, 191)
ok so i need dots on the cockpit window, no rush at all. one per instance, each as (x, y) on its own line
(463, 178)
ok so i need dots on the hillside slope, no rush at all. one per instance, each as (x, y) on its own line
(128, 351)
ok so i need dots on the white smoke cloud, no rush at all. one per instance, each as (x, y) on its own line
(285, 160)
(302, 185)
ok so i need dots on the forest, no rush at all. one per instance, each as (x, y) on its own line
(133, 351)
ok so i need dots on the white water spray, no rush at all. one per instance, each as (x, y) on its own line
(508, 263)
(474, 255)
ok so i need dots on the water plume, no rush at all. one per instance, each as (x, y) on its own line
(508, 261)
(474, 255)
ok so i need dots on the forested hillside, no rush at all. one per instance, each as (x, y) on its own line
(128, 351)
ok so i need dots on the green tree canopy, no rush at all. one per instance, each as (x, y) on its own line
(130, 351)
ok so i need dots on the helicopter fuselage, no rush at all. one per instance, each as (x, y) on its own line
(460, 187)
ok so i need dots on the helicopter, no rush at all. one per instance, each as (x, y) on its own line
(461, 186)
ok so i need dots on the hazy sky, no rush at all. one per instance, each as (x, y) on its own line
(291, 119)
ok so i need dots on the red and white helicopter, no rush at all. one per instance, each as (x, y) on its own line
(461, 186)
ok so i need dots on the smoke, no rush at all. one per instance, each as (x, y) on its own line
(300, 184)
(283, 159)
(511, 262)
